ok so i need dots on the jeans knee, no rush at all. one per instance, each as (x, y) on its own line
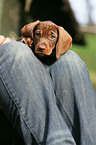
(14, 47)
(15, 51)
(70, 58)
(69, 63)
(14, 55)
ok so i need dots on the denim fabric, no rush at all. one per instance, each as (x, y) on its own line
(75, 97)
(53, 104)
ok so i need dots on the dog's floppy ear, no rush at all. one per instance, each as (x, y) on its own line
(64, 42)
(27, 30)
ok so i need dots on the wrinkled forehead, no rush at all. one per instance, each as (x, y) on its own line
(47, 26)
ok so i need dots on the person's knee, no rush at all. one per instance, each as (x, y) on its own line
(69, 63)
(15, 51)
(13, 47)
(70, 58)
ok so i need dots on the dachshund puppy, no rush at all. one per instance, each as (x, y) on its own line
(47, 40)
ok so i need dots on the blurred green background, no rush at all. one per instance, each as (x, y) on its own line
(88, 55)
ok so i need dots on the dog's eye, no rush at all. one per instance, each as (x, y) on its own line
(38, 34)
(52, 35)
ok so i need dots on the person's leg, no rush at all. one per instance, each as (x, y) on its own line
(27, 97)
(76, 97)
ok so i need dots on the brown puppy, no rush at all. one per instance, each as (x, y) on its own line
(47, 40)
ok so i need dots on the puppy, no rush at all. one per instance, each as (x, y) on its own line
(47, 40)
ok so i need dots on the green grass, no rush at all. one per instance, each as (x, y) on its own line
(88, 55)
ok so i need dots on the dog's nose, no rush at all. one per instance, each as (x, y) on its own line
(41, 47)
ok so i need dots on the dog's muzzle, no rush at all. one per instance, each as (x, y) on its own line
(43, 47)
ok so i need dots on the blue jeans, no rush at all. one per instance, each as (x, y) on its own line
(54, 104)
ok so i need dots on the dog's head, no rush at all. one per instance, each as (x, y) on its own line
(46, 36)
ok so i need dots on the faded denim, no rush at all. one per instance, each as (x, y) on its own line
(54, 104)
